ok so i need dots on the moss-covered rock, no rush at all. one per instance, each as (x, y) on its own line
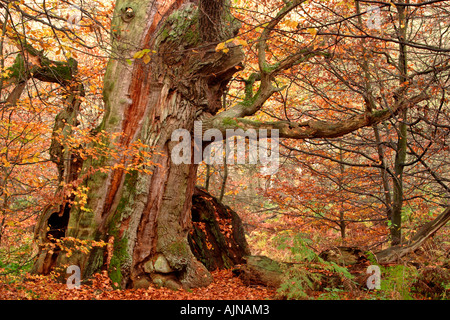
(168, 281)
(261, 270)
(158, 264)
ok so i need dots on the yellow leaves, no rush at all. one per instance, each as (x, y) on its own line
(35, 158)
(348, 4)
(93, 89)
(26, 158)
(241, 42)
(139, 54)
(81, 194)
(6, 73)
(312, 31)
(290, 23)
(234, 42)
(6, 163)
(11, 223)
(70, 245)
(146, 59)
(144, 55)
(222, 47)
(127, 158)
(232, 192)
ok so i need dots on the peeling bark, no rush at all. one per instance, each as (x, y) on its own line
(149, 216)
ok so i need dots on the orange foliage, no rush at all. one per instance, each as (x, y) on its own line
(225, 287)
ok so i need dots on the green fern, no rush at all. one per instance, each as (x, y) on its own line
(299, 279)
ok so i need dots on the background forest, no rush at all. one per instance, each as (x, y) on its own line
(366, 187)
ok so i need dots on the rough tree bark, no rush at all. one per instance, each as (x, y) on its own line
(149, 216)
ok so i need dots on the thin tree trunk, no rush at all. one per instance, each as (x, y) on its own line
(370, 106)
(225, 176)
(342, 222)
(397, 204)
(400, 152)
(208, 176)
(384, 173)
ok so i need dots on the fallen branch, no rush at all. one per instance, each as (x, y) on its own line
(394, 253)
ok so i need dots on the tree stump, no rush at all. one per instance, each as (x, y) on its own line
(217, 238)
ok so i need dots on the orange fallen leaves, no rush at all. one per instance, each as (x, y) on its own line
(225, 287)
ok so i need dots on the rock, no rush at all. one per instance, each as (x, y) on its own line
(173, 284)
(142, 283)
(158, 264)
(196, 275)
(148, 266)
(161, 265)
(158, 279)
(167, 281)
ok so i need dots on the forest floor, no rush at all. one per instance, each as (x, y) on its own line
(225, 287)
(423, 275)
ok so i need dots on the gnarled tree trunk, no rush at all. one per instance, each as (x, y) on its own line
(149, 215)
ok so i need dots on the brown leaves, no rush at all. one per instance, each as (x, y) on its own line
(224, 287)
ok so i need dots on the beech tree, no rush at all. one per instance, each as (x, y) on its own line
(170, 64)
